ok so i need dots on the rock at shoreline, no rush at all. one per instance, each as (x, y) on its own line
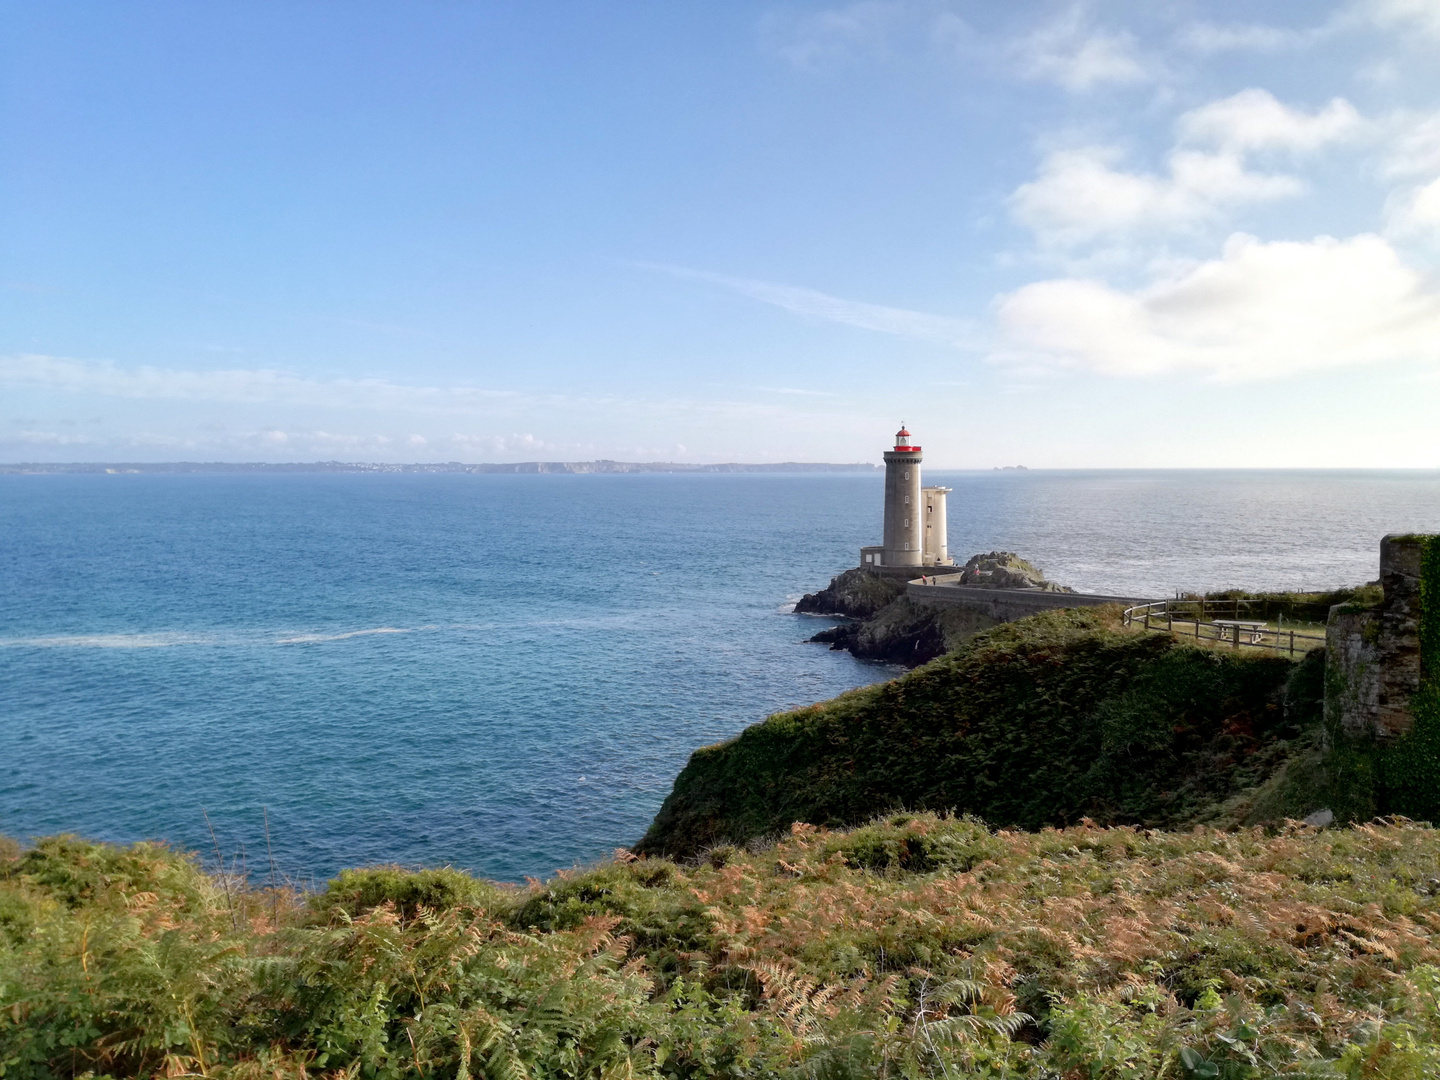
(855, 594)
(906, 633)
(1006, 570)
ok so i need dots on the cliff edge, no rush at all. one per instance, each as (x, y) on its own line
(1046, 721)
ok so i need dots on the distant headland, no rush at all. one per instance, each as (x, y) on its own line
(572, 467)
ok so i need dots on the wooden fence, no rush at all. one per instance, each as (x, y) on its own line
(1222, 621)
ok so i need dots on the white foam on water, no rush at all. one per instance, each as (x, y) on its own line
(310, 639)
(108, 641)
(170, 639)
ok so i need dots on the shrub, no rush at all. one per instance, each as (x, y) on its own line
(916, 945)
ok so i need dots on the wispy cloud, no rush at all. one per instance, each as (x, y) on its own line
(239, 414)
(1405, 15)
(811, 303)
(102, 378)
(1208, 37)
(813, 39)
(1069, 49)
(1079, 56)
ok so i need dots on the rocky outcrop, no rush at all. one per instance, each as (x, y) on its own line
(1006, 570)
(855, 594)
(891, 628)
(906, 633)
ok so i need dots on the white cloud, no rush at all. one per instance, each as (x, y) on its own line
(1414, 146)
(1254, 120)
(1261, 310)
(1080, 197)
(1411, 161)
(901, 322)
(1415, 212)
(1421, 15)
(1205, 37)
(1071, 52)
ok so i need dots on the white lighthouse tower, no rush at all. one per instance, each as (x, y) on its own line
(904, 540)
(915, 532)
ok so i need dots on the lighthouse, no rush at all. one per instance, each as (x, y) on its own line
(915, 532)
(904, 540)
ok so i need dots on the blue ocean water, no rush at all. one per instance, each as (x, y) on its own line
(505, 673)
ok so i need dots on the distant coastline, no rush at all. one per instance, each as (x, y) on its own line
(570, 467)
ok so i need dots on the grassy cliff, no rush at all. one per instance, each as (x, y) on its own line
(916, 946)
(1045, 721)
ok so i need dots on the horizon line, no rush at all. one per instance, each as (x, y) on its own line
(612, 466)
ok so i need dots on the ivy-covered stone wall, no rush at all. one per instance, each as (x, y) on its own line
(1373, 656)
(1382, 681)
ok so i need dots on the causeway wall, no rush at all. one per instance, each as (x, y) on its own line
(1006, 605)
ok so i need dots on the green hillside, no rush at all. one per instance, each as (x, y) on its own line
(1045, 721)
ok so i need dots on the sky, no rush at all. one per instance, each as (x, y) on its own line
(1097, 234)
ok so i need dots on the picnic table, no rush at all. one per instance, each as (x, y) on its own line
(1236, 627)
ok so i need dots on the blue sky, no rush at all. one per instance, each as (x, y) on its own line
(1057, 234)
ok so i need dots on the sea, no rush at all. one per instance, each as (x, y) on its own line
(298, 673)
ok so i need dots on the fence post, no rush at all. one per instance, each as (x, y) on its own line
(1292, 642)
(1236, 636)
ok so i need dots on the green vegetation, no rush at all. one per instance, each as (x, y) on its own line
(1313, 608)
(917, 946)
(1044, 721)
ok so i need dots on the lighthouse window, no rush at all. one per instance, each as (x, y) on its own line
(907, 546)
(907, 500)
(907, 523)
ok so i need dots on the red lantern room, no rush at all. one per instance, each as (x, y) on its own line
(902, 441)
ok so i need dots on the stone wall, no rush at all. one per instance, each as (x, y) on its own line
(1373, 655)
(1006, 605)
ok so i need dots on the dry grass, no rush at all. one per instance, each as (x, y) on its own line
(915, 946)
